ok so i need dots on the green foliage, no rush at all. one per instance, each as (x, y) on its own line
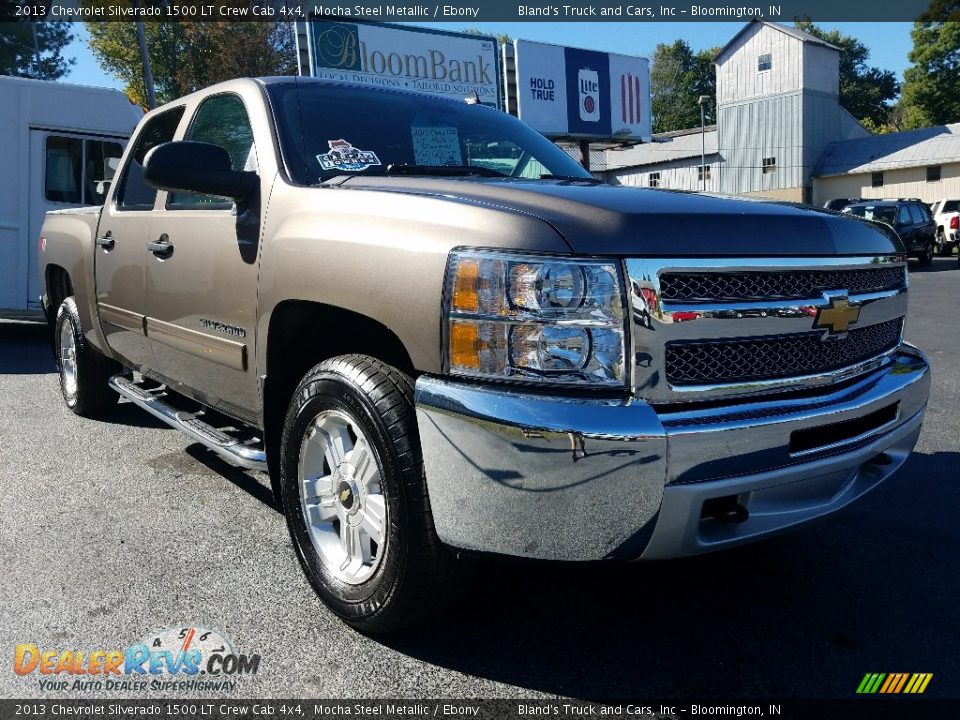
(35, 50)
(186, 56)
(865, 91)
(931, 89)
(678, 78)
(502, 38)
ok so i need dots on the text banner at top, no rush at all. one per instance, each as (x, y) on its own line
(478, 11)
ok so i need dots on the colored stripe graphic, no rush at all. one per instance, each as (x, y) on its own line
(636, 82)
(623, 98)
(894, 683)
(630, 93)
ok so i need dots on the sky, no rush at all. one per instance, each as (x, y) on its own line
(888, 42)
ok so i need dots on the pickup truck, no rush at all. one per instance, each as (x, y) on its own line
(441, 337)
(946, 214)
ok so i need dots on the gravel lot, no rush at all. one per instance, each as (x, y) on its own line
(113, 529)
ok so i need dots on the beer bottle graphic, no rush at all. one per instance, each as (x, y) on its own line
(588, 83)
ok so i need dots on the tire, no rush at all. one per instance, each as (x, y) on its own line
(369, 547)
(926, 257)
(84, 371)
(943, 248)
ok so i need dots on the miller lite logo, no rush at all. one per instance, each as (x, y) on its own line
(588, 83)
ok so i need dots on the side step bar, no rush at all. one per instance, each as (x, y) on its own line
(229, 448)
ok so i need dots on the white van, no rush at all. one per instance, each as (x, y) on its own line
(59, 146)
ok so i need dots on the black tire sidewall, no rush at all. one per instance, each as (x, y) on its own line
(330, 391)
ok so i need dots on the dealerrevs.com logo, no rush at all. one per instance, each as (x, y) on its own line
(183, 658)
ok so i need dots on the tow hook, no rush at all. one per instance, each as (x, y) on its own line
(725, 510)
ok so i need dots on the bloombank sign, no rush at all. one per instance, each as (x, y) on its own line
(409, 58)
(566, 92)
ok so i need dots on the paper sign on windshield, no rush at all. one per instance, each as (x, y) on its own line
(438, 146)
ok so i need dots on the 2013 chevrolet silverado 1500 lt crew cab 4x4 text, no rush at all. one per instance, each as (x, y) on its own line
(442, 337)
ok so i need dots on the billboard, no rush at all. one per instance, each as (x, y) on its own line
(404, 57)
(567, 92)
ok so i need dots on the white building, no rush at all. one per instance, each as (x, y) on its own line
(778, 110)
(921, 163)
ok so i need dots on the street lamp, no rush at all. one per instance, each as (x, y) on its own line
(704, 100)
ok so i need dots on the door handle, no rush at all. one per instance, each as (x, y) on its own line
(163, 248)
(106, 242)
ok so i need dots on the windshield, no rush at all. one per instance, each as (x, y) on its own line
(329, 130)
(884, 213)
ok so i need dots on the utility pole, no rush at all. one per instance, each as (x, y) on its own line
(704, 99)
(145, 59)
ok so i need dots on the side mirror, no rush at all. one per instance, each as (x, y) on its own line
(196, 167)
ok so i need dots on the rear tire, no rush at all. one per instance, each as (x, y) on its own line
(355, 496)
(84, 370)
(943, 248)
(926, 257)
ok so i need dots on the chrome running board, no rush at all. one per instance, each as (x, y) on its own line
(244, 454)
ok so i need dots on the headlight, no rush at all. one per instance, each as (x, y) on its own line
(554, 320)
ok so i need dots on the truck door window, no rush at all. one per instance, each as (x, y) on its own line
(220, 120)
(903, 216)
(134, 193)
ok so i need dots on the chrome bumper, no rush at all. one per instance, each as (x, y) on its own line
(502, 476)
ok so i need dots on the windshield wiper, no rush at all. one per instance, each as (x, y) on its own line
(572, 178)
(442, 170)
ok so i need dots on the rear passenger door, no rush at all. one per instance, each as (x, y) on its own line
(202, 287)
(121, 249)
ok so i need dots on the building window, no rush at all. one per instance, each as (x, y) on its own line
(703, 173)
(764, 62)
(876, 179)
(933, 173)
(768, 165)
(654, 180)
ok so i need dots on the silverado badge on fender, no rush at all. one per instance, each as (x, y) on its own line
(838, 316)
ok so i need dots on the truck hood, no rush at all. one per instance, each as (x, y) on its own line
(607, 220)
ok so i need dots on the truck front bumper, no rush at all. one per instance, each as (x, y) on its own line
(648, 482)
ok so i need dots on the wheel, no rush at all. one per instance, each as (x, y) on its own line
(942, 247)
(84, 370)
(926, 257)
(355, 496)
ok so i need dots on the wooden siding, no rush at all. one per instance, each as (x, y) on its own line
(738, 78)
(755, 130)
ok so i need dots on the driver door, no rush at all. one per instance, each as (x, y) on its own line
(201, 276)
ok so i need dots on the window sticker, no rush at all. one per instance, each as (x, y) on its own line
(436, 146)
(344, 156)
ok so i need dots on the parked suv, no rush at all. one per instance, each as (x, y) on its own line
(946, 215)
(909, 217)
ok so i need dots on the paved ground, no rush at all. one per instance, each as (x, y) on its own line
(112, 529)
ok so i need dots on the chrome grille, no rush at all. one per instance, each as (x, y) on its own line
(743, 360)
(721, 286)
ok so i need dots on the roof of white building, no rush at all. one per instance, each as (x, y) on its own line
(666, 147)
(791, 31)
(926, 146)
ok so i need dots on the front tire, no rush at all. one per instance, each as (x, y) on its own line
(355, 496)
(84, 370)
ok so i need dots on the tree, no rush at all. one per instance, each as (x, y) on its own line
(865, 91)
(35, 50)
(187, 55)
(677, 80)
(502, 38)
(930, 85)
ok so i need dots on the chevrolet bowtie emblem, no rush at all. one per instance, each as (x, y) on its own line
(837, 317)
(344, 495)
